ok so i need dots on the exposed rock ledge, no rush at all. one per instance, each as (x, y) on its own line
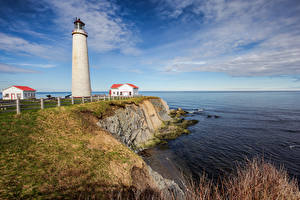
(137, 127)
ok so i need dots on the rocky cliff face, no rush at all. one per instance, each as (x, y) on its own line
(136, 125)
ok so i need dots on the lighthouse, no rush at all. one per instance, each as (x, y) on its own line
(81, 83)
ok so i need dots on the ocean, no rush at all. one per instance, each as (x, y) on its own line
(250, 124)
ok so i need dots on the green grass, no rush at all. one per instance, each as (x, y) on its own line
(48, 154)
(35, 104)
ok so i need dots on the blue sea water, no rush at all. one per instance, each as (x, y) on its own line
(251, 124)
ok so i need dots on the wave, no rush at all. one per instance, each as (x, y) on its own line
(294, 146)
(196, 111)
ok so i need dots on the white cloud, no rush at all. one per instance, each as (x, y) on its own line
(4, 68)
(243, 38)
(19, 45)
(107, 30)
(35, 65)
(251, 64)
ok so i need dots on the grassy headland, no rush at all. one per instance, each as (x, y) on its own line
(60, 152)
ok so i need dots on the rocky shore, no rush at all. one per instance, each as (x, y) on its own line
(145, 125)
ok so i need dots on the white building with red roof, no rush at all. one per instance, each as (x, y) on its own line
(15, 91)
(126, 89)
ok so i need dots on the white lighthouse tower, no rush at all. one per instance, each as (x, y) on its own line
(81, 84)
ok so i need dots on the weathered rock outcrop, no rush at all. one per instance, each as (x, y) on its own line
(136, 125)
(146, 124)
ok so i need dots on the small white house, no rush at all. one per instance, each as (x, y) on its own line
(126, 89)
(14, 92)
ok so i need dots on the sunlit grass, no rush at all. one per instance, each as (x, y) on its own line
(48, 153)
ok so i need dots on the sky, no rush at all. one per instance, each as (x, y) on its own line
(159, 45)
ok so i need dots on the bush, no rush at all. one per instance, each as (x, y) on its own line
(256, 180)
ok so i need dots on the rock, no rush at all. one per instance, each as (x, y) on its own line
(187, 123)
(216, 116)
(186, 131)
(172, 111)
(176, 120)
(209, 116)
(175, 128)
(135, 125)
(168, 187)
(181, 113)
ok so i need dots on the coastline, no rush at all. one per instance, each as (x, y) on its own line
(67, 142)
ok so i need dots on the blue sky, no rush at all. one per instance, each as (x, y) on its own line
(155, 44)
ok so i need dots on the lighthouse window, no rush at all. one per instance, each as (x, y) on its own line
(78, 26)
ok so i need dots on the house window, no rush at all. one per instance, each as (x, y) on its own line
(117, 93)
(129, 93)
(6, 95)
(18, 95)
(120, 93)
(114, 93)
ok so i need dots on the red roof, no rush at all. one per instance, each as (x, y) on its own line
(115, 86)
(132, 85)
(24, 88)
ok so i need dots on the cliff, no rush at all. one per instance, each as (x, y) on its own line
(137, 125)
(61, 152)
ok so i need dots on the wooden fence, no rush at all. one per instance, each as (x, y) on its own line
(35, 104)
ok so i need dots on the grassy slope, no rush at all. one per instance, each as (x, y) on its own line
(61, 152)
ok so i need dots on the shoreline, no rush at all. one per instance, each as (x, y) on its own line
(62, 147)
